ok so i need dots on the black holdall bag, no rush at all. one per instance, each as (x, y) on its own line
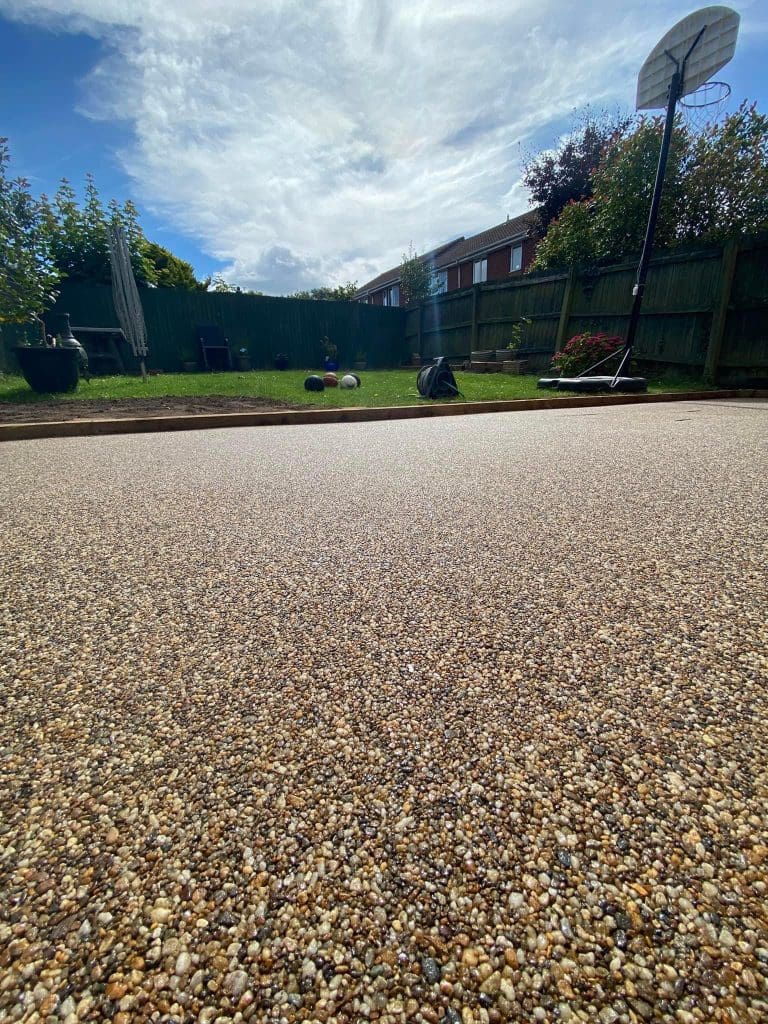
(437, 380)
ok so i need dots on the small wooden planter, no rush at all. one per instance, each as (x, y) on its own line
(513, 366)
(490, 366)
(483, 356)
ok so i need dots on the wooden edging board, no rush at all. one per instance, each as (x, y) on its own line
(295, 417)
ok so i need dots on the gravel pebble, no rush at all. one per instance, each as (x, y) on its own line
(451, 720)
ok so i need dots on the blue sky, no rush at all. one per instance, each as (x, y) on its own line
(43, 83)
(290, 144)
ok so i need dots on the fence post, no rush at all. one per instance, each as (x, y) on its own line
(720, 312)
(565, 309)
(475, 296)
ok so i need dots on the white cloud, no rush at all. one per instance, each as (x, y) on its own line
(306, 142)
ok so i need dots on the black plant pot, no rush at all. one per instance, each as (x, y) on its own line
(281, 361)
(49, 370)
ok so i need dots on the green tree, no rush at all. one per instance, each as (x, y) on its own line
(65, 227)
(221, 286)
(79, 235)
(416, 278)
(557, 177)
(716, 187)
(27, 273)
(329, 293)
(570, 241)
(127, 216)
(170, 271)
(624, 188)
(726, 191)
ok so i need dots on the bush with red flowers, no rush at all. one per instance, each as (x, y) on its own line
(583, 351)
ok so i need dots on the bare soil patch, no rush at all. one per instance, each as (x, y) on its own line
(115, 408)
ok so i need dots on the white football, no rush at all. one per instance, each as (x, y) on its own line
(348, 381)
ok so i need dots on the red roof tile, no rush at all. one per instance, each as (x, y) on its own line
(461, 249)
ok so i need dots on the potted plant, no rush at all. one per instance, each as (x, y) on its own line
(361, 360)
(49, 369)
(330, 361)
(243, 360)
(53, 366)
(509, 354)
(281, 361)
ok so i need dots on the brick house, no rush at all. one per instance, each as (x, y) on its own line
(500, 252)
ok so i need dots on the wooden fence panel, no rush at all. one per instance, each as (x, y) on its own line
(502, 305)
(683, 290)
(262, 325)
(745, 341)
(688, 300)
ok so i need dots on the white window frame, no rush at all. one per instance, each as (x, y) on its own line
(519, 250)
(439, 281)
(392, 295)
(480, 276)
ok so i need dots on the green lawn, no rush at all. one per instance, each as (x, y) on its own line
(380, 387)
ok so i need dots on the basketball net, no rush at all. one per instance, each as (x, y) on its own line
(704, 106)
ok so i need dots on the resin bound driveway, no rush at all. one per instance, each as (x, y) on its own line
(460, 720)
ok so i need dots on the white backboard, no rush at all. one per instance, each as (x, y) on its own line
(712, 52)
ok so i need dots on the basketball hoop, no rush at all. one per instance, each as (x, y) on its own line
(705, 105)
(680, 64)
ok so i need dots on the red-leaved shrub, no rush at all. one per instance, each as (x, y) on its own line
(583, 351)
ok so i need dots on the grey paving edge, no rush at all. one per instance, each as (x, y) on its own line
(297, 417)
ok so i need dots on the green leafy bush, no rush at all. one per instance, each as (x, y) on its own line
(583, 351)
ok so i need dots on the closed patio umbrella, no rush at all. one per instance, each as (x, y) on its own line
(125, 295)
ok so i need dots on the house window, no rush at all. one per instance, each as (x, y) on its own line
(479, 271)
(516, 260)
(392, 296)
(439, 281)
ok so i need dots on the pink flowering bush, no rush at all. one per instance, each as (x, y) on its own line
(583, 351)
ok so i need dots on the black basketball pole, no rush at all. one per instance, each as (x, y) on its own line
(675, 87)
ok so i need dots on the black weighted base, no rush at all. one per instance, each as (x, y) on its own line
(590, 385)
